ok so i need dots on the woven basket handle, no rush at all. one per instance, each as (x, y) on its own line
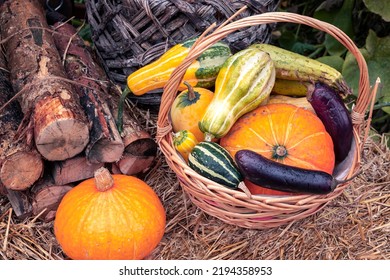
(205, 41)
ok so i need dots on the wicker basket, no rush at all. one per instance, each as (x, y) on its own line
(129, 34)
(259, 211)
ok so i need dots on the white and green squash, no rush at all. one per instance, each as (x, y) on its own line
(245, 80)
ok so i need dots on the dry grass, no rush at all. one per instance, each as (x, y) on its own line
(356, 225)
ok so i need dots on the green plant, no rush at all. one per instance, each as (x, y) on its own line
(367, 24)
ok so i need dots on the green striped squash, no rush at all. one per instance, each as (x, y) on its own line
(204, 70)
(212, 161)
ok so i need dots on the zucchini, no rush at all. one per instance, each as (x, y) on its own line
(290, 87)
(292, 66)
(212, 161)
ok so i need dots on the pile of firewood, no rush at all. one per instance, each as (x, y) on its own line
(57, 113)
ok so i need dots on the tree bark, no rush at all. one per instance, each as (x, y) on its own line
(46, 196)
(20, 163)
(59, 123)
(105, 143)
(138, 157)
(20, 203)
(140, 148)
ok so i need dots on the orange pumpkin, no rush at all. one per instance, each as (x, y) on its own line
(110, 217)
(188, 109)
(284, 133)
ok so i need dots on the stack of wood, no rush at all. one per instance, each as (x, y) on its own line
(57, 113)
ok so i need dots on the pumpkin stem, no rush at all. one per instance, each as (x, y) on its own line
(191, 93)
(103, 179)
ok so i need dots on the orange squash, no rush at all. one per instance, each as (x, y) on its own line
(110, 217)
(284, 133)
(188, 109)
(184, 141)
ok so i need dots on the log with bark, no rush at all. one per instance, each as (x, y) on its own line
(61, 113)
(45, 196)
(73, 170)
(20, 164)
(105, 143)
(47, 99)
(140, 147)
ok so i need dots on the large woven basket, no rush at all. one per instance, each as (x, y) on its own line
(129, 34)
(260, 211)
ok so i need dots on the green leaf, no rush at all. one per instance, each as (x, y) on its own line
(342, 18)
(289, 41)
(377, 56)
(332, 60)
(380, 7)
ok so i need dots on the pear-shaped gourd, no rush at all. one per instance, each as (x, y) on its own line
(245, 80)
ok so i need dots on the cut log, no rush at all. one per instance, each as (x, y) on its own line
(21, 169)
(20, 203)
(3, 190)
(138, 157)
(114, 169)
(20, 164)
(105, 143)
(73, 170)
(45, 198)
(140, 148)
(59, 124)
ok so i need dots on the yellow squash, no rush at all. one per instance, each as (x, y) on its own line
(184, 141)
(201, 73)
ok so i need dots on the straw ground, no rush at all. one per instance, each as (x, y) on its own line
(355, 225)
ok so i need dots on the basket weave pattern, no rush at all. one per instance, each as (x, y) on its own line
(129, 34)
(234, 206)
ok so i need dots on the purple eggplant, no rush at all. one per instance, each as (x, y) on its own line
(331, 110)
(277, 176)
